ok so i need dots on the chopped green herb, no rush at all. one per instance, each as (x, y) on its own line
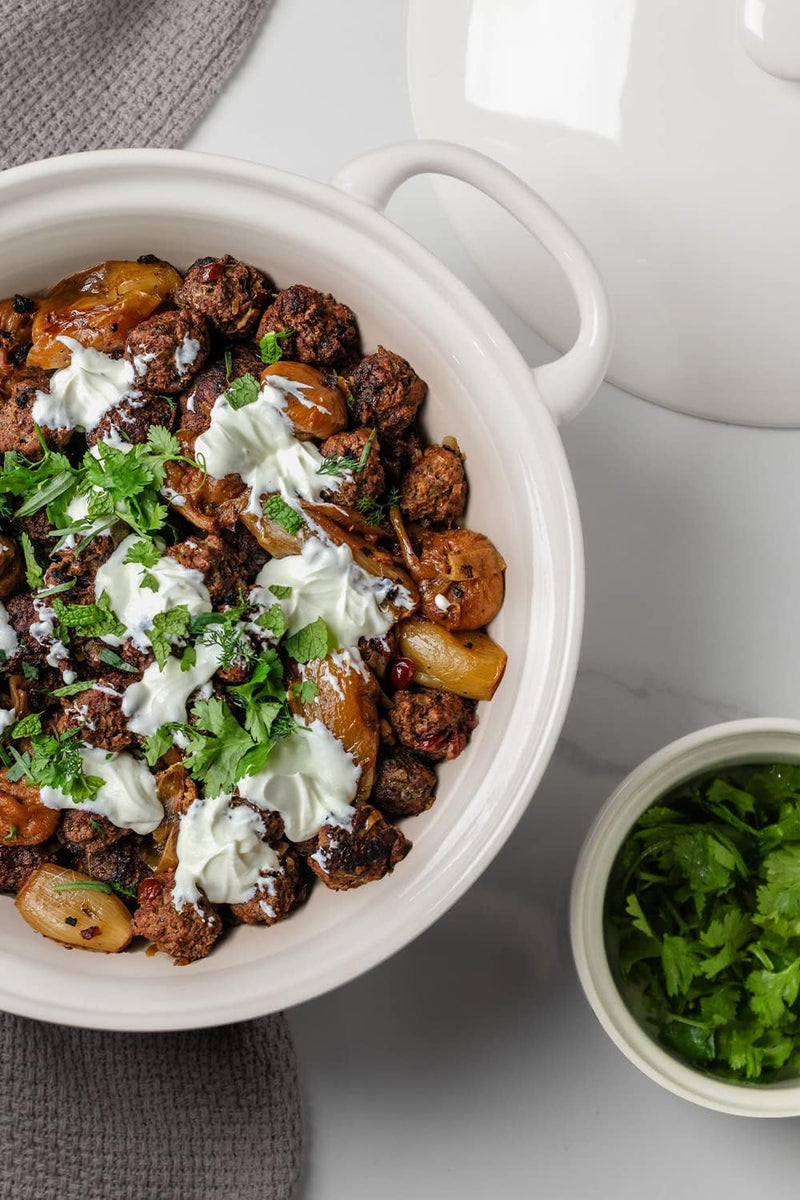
(220, 751)
(54, 760)
(73, 689)
(33, 572)
(312, 641)
(30, 671)
(243, 391)
(112, 659)
(58, 587)
(228, 364)
(96, 826)
(149, 581)
(279, 591)
(27, 726)
(167, 628)
(273, 620)
(376, 511)
(89, 620)
(85, 885)
(270, 347)
(276, 508)
(188, 658)
(11, 835)
(306, 692)
(157, 745)
(123, 891)
(145, 551)
(336, 464)
(705, 896)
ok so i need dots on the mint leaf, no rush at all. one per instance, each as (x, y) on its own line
(279, 591)
(307, 692)
(273, 620)
(276, 509)
(157, 745)
(312, 641)
(89, 620)
(269, 345)
(166, 629)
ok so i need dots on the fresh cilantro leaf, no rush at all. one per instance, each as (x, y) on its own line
(54, 760)
(145, 551)
(149, 581)
(157, 745)
(112, 659)
(307, 692)
(270, 347)
(276, 509)
(243, 391)
(772, 992)
(166, 629)
(33, 572)
(273, 620)
(312, 641)
(162, 442)
(30, 671)
(89, 620)
(218, 747)
(680, 963)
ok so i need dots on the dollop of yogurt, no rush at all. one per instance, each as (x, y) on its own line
(326, 582)
(136, 606)
(8, 634)
(221, 852)
(257, 443)
(308, 778)
(127, 795)
(83, 391)
(160, 696)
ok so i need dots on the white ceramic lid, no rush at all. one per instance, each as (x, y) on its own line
(665, 132)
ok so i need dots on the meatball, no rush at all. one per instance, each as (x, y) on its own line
(387, 392)
(167, 350)
(132, 419)
(87, 832)
(38, 529)
(197, 403)
(434, 489)
(436, 724)
(122, 865)
(89, 652)
(18, 862)
(68, 564)
(321, 330)
(361, 851)
(12, 570)
(404, 786)
(352, 485)
(186, 935)
(98, 713)
(17, 430)
(278, 892)
(219, 566)
(35, 643)
(232, 294)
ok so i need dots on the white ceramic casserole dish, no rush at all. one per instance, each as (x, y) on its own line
(63, 214)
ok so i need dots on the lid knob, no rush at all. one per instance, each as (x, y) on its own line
(769, 31)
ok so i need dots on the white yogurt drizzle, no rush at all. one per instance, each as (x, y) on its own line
(127, 795)
(83, 391)
(256, 442)
(8, 634)
(160, 697)
(186, 354)
(136, 606)
(327, 583)
(221, 853)
(308, 777)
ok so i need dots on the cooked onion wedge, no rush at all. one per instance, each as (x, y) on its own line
(347, 705)
(320, 408)
(469, 664)
(75, 910)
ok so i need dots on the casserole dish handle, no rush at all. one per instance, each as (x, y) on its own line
(568, 383)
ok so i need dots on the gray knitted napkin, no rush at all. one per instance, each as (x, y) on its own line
(171, 1116)
(88, 74)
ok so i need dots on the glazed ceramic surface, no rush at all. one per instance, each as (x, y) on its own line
(760, 740)
(663, 130)
(63, 214)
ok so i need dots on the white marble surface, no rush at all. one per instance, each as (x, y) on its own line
(470, 1065)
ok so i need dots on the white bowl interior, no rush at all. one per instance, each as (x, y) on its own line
(56, 219)
(720, 746)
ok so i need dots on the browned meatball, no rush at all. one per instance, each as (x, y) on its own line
(377, 652)
(323, 331)
(68, 564)
(18, 862)
(38, 529)
(17, 430)
(167, 350)
(88, 832)
(404, 785)
(232, 294)
(133, 418)
(364, 850)
(196, 404)
(387, 393)
(33, 650)
(436, 724)
(98, 713)
(186, 935)
(278, 892)
(12, 570)
(91, 656)
(217, 563)
(349, 487)
(121, 864)
(434, 489)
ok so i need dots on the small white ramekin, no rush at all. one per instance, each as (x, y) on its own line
(757, 740)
